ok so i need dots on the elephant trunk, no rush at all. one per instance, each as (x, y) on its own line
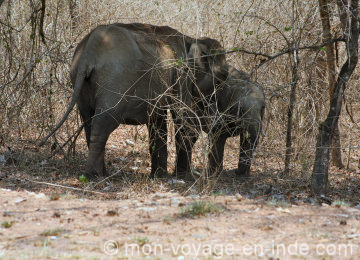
(248, 141)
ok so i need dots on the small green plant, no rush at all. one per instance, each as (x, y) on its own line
(52, 232)
(219, 193)
(7, 224)
(279, 203)
(200, 208)
(340, 204)
(83, 179)
(141, 240)
(180, 61)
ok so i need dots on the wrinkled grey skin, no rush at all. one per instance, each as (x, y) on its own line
(132, 73)
(236, 108)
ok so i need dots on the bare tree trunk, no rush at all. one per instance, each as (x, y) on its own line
(41, 26)
(331, 72)
(289, 149)
(292, 101)
(349, 19)
(336, 157)
(74, 15)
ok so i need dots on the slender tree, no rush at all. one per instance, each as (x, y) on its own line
(290, 111)
(331, 73)
(349, 17)
(74, 15)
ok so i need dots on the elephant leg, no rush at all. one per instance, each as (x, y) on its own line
(248, 142)
(158, 145)
(216, 155)
(101, 127)
(86, 111)
(87, 127)
(86, 114)
(185, 139)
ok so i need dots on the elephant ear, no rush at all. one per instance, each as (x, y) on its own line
(207, 60)
(206, 54)
(196, 56)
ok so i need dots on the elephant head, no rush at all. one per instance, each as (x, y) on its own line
(206, 59)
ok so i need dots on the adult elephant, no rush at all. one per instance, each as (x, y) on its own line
(131, 74)
(236, 107)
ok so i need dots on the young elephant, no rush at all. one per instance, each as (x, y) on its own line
(235, 108)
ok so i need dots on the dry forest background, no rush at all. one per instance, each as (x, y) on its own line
(36, 48)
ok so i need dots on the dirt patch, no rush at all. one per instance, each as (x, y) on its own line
(40, 226)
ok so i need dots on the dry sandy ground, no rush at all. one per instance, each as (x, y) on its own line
(132, 217)
(39, 226)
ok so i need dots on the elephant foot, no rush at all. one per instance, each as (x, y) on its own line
(182, 171)
(180, 174)
(243, 170)
(96, 171)
(93, 175)
(159, 173)
(187, 176)
(214, 172)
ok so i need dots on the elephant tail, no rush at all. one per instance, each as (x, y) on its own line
(80, 77)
